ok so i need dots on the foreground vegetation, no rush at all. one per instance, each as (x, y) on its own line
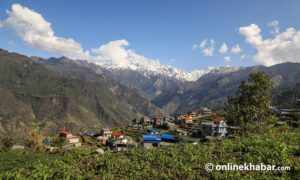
(184, 161)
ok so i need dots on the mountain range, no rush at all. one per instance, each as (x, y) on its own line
(211, 89)
(149, 77)
(61, 93)
(72, 99)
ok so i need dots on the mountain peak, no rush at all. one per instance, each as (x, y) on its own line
(156, 68)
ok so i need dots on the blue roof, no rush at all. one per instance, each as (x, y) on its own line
(47, 142)
(152, 130)
(167, 137)
(90, 133)
(151, 137)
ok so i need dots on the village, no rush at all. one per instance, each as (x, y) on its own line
(195, 126)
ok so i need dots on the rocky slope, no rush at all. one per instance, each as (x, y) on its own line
(212, 89)
(31, 93)
(85, 71)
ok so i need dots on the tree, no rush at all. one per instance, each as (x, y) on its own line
(34, 139)
(7, 143)
(248, 109)
(60, 142)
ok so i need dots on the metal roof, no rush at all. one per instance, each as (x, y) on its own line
(167, 137)
(153, 130)
(151, 137)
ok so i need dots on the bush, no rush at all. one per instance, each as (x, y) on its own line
(7, 143)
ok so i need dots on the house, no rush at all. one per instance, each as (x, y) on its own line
(178, 118)
(117, 135)
(72, 139)
(152, 131)
(220, 128)
(188, 119)
(89, 133)
(106, 132)
(167, 138)
(65, 134)
(167, 119)
(135, 126)
(158, 121)
(168, 125)
(217, 128)
(119, 145)
(102, 140)
(205, 111)
(151, 138)
(180, 132)
(145, 120)
(193, 114)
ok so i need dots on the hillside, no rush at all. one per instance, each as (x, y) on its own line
(30, 93)
(212, 89)
(85, 71)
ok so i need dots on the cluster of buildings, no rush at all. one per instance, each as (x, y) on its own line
(210, 129)
(114, 141)
(179, 128)
(157, 131)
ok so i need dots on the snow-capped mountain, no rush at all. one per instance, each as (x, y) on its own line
(150, 77)
(212, 89)
(154, 68)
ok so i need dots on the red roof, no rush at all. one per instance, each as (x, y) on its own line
(219, 119)
(116, 134)
(65, 132)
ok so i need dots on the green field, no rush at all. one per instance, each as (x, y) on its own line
(177, 162)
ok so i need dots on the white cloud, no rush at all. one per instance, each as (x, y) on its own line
(117, 53)
(275, 25)
(37, 32)
(245, 56)
(236, 49)
(114, 51)
(33, 29)
(223, 49)
(203, 44)
(283, 47)
(252, 34)
(209, 51)
(1, 24)
(227, 58)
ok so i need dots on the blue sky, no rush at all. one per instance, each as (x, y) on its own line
(164, 30)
